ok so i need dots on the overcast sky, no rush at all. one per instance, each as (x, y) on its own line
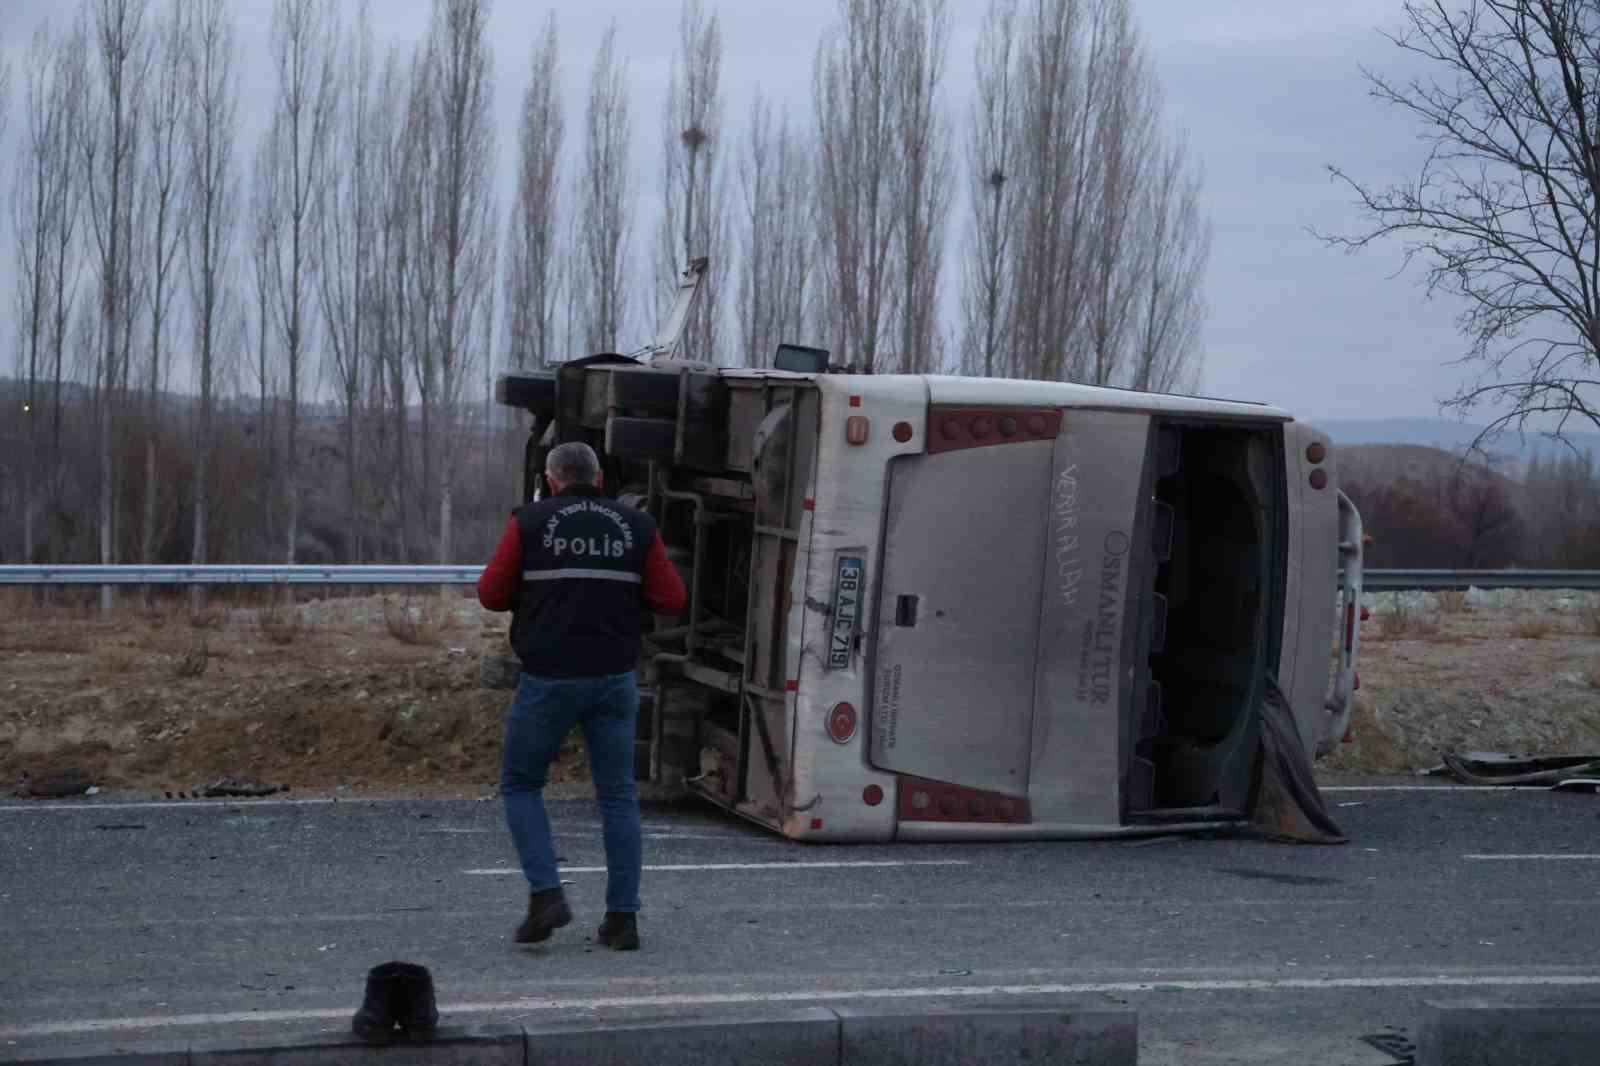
(1268, 91)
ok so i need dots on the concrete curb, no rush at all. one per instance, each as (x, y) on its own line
(817, 1036)
(1481, 1032)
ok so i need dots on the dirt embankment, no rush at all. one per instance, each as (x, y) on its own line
(1506, 670)
(381, 694)
(373, 693)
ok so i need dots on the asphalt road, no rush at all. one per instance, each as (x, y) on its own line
(168, 921)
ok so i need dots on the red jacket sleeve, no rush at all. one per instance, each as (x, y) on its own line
(498, 584)
(663, 588)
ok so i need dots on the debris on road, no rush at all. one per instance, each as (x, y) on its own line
(73, 782)
(234, 786)
(1498, 768)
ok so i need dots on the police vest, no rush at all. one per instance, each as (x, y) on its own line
(579, 607)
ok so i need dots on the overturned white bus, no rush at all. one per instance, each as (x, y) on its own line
(927, 607)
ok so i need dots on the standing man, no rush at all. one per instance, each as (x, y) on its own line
(578, 571)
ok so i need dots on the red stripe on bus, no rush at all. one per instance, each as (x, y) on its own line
(919, 799)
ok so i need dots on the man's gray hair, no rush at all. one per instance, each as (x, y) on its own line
(573, 463)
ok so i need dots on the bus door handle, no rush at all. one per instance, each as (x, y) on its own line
(905, 611)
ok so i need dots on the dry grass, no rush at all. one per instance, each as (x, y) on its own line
(1452, 601)
(417, 622)
(195, 660)
(280, 623)
(115, 658)
(1401, 622)
(1532, 627)
(208, 618)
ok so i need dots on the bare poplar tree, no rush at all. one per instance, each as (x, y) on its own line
(854, 79)
(420, 302)
(778, 245)
(67, 193)
(389, 294)
(1170, 304)
(922, 193)
(303, 48)
(41, 210)
(1089, 158)
(264, 216)
(212, 127)
(165, 189)
(1124, 140)
(694, 218)
(345, 230)
(107, 144)
(462, 215)
(532, 279)
(992, 145)
(1058, 97)
(603, 201)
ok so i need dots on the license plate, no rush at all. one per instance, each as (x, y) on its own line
(847, 592)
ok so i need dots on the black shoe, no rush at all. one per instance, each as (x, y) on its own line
(619, 931)
(398, 993)
(547, 912)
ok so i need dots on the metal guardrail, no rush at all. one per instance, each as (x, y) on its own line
(1406, 580)
(1373, 581)
(239, 575)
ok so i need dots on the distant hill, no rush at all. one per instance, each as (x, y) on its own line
(1511, 453)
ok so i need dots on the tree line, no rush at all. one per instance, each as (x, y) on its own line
(187, 301)
(1472, 519)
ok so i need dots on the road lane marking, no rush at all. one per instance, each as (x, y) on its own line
(43, 929)
(708, 999)
(1485, 789)
(67, 806)
(664, 830)
(1553, 856)
(691, 866)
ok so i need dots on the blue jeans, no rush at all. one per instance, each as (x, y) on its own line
(542, 714)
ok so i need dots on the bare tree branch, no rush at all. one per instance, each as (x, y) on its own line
(1506, 207)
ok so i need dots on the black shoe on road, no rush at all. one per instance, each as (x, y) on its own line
(398, 993)
(547, 912)
(619, 931)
